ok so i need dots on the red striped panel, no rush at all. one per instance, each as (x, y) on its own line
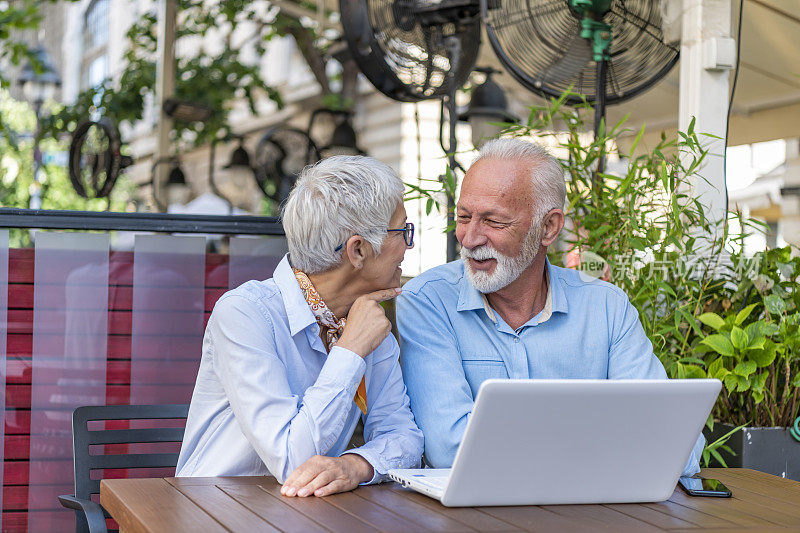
(120, 298)
(20, 268)
(118, 370)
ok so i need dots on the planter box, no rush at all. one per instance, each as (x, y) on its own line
(770, 450)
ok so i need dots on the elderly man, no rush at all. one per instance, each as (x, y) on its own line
(290, 364)
(503, 311)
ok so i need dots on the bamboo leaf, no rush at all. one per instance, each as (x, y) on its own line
(691, 321)
(718, 457)
(636, 141)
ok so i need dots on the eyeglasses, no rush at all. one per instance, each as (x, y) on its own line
(408, 235)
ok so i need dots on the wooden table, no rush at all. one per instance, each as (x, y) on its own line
(760, 502)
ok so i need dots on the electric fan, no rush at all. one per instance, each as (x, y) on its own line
(95, 160)
(413, 50)
(281, 153)
(606, 50)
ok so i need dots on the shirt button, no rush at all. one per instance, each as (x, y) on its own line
(516, 339)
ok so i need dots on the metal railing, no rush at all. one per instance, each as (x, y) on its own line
(156, 222)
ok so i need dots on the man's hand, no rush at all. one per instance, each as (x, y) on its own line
(367, 324)
(323, 476)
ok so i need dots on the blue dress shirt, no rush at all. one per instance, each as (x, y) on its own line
(451, 341)
(268, 396)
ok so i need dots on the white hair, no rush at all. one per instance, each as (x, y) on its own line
(549, 187)
(333, 200)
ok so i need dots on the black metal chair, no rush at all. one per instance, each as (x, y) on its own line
(90, 516)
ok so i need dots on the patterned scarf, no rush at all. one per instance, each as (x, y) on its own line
(335, 327)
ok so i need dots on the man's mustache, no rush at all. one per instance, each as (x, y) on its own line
(479, 253)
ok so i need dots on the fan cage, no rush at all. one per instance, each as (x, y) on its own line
(405, 58)
(280, 156)
(539, 43)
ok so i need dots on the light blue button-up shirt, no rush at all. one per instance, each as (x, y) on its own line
(268, 396)
(451, 341)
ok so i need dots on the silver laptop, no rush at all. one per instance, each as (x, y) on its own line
(537, 442)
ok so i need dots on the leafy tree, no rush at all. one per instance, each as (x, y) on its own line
(214, 78)
(17, 167)
(15, 19)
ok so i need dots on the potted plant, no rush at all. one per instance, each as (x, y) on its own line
(751, 342)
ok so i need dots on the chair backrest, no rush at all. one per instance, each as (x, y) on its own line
(83, 437)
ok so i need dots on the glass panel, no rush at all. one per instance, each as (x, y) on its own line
(167, 321)
(70, 331)
(254, 258)
(3, 346)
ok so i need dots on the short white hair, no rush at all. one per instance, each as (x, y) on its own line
(333, 200)
(549, 187)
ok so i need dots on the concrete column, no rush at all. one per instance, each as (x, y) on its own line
(707, 55)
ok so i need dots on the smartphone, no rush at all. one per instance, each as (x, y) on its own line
(698, 486)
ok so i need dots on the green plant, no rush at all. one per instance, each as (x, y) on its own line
(436, 196)
(712, 449)
(17, 20)
(709, 309)
(752, 343)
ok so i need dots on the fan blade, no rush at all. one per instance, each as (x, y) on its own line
(576, 56)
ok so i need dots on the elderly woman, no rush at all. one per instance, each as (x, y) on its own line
(290, 364)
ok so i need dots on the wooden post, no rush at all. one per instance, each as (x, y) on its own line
(165, 88)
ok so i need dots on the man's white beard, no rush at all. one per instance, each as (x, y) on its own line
(507, 268)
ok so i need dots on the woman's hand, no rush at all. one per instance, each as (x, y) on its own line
(367, 324)
(323, 476)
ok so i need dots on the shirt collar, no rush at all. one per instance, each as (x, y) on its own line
(557, 289)
(471, 299)
(297, 310)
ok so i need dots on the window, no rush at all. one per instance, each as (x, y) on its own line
(94, 64)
